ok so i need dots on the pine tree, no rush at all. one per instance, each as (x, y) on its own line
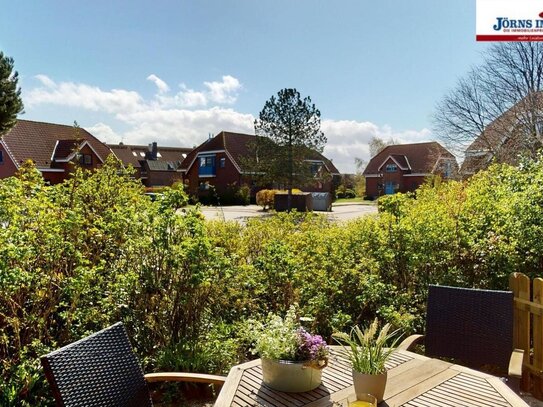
(10, 95)
(288, 128)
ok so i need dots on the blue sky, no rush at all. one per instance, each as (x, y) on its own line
(175, 71)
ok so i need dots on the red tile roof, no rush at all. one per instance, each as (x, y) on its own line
(420, 158)
(133, 154)
(238, 146)
(37, 141)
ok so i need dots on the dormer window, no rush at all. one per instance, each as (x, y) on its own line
(85, 159)
(207, 166)
(447, 169)
(391, 168)
(315, 168)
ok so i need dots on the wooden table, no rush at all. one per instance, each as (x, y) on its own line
(413, 380)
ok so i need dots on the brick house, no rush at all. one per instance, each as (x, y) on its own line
(54, 149)
(219, 162)
(404, 167)
(154, 165)
(514, 132)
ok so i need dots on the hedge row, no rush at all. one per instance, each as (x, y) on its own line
(79, 256)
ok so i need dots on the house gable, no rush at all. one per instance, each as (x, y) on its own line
(39, 142)
(396, 160)
(66, 150)
(404, 167)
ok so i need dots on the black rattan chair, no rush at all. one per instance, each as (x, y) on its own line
(101, 370)
(472, 326)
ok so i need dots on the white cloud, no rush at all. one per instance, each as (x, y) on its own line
(104, 133)
(160, 84)
(187, 117)
(82, 96)
(223, 92)
(183, 127)
(46, 81)
(348, 139)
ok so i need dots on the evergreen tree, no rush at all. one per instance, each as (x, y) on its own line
(288, 129)
(10, 95)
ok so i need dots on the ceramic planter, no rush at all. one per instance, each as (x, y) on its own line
(292, 377)
(373, 384)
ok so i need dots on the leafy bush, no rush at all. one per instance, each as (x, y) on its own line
(93, 250)
(343, 192)
(264, 198)
(244, 195)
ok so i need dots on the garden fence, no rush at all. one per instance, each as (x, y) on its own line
(528, 329)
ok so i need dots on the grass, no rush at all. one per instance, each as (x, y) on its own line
(357, 200)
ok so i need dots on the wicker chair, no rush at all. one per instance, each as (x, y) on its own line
(102, 370)
(473, 326)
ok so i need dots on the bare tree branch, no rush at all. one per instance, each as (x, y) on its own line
(496, 107)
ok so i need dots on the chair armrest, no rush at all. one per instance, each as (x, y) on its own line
(184, 377)
(515, 363)
(408, 342)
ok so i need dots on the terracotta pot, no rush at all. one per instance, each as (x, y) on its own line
(292, 377)
(373, 384)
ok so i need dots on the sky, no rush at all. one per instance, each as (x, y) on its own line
(177, 71)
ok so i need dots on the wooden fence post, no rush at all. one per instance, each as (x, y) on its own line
(538, 338)
(520, 285)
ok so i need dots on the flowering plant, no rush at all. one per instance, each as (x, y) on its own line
(285, 339)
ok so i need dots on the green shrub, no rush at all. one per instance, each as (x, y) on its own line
(78, 256)
(244, 195)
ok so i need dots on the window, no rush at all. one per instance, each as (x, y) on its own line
(391, 168)
(315, 168)
(207, 166)
(134, 154)
(207, 161)
(222, 162)
(1, 157)
(447, 169)
(85, 159)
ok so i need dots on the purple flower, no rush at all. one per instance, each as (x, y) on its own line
(310, 347)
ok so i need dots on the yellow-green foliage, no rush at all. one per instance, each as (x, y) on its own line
(81, 255)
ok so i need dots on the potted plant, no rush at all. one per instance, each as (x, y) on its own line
(292, 358)
(367, 350)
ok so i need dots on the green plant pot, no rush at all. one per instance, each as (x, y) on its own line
(373, 384)
(291, 377)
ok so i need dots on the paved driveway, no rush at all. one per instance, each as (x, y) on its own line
(240, 213)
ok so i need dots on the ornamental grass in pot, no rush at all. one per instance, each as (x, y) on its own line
(367, 351)
(292, 358)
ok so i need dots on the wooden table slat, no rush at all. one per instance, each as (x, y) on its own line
(485, 392)
(406, 393)
(474, 399)
(413, 380)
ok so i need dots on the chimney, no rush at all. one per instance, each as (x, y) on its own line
(152, 152)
